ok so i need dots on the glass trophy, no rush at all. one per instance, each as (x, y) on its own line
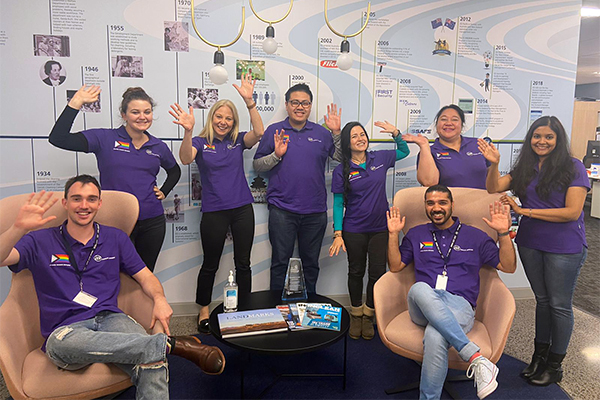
(294, 288)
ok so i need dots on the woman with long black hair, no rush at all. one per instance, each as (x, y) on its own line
(358, 184)
(551, 186)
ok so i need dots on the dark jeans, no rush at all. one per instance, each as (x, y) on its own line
(147, 237)
(213, 231)
(553, 277)
(284, 228)
(358, 246)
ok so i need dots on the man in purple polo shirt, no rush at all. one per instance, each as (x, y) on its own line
(75, 268)
(447, 257)
(295, 150)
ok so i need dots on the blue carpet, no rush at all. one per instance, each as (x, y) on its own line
(371, 368)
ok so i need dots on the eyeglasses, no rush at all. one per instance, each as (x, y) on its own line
(296, 103)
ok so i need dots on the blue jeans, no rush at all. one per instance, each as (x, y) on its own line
(284, 228)
(553, 277)
(446, 318)
(114, 338)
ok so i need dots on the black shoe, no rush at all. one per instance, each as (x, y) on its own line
(552, 373)
(204, 327)
(538, 361)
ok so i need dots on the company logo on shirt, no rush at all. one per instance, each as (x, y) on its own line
(426, 246)
(353, 175)
(233, 146)
(210, 148)
(150, 153)
(311, 139)
(458, 248)
(99, 258)
(121, 146)
(286, 138)
(470, 153)
(375, 168)
(443, 154)
(59, 260)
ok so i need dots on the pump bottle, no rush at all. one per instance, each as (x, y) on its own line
(230, 294)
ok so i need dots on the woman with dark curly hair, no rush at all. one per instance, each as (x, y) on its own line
(358, 184)
(552, 187)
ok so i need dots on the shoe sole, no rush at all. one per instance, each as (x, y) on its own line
(489, 389)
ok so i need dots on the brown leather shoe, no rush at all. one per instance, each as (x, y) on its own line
(210, 359)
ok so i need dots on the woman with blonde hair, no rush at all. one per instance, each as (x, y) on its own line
(226, 197)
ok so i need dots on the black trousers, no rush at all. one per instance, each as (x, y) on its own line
(213, 231)
(147, 237)
(359, 246)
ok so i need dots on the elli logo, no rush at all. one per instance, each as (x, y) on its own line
(59, 258)
(209, 147)
(121, 145)
(353, 174)
(329, 64)
(426, 245)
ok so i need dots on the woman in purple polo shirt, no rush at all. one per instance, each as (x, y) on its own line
(226, 197)
(552, 187)
(358, 184)
(129, 159)
(452, 160)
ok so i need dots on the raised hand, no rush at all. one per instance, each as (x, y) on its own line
(394, 222)
(500, 219)
(246, 89)
(186, 120)
(281, 143)
(418, 139)
(386, 127)
(489, 151)
(31, 214)
(85, 95)
(333, 119)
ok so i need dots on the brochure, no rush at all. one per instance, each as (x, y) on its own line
(254, 322)
(322, 316)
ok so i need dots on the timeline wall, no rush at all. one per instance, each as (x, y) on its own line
(505, 63)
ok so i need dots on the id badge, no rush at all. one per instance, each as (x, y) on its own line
(441, 282)
(85, 299)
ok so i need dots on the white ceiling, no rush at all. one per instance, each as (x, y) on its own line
(589, 47)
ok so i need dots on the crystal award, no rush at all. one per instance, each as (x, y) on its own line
(294, 288)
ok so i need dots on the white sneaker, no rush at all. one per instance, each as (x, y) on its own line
(485, 376)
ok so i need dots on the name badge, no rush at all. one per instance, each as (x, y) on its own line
(85, 299)
(441, 282)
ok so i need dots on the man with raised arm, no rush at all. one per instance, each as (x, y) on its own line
(75, 268)
(447, 256)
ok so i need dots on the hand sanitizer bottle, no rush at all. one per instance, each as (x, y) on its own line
(230, 295)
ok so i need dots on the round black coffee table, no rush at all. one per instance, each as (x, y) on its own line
(283, 343)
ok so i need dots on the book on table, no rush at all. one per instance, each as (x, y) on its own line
(322, 316)
(253, 322)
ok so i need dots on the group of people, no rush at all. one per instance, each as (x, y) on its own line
(550, 184)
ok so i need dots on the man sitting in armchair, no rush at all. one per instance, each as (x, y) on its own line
(75, 268)
(447, 257)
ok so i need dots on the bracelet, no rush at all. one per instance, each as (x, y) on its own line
(251, 106)
(396, 132)
(503, 233)
(337, 235)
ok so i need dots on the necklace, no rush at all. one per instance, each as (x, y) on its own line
(358, 162)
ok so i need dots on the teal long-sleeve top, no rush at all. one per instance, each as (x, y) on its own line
(402, 151)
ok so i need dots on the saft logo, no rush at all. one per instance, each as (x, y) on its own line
(329, 64)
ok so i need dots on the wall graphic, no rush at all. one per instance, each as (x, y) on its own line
(505, 63)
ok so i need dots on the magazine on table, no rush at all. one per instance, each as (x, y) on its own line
(253, 322)
(322, 316)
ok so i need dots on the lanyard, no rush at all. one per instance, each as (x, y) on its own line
(72, 259)
(446, 258)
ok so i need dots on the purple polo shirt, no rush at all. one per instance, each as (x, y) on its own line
(56, 283)
(221, 165)
(367, 199)
(472, 249)
(465, 168)
(123, 167)
(297, 182)
(553, 237)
